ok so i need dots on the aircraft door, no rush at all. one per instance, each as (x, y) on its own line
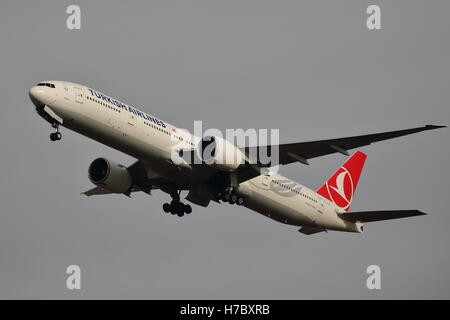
(266, 180)
(320, 205)
(66, 92)
(131, 123)
(132, 119)
(78, 95)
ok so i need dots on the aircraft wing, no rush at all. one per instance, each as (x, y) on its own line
(302, 151)
(370, 216)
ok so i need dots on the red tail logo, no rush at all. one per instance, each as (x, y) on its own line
(341, 187)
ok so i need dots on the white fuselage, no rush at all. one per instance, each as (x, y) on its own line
(145, 137)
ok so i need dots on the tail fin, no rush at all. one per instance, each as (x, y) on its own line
(341, 187)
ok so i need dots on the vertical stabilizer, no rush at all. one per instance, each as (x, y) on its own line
(341, 187)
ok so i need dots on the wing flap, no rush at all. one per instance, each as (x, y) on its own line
(308, 230)
(370, 216)
(96, 191)
(100, 191)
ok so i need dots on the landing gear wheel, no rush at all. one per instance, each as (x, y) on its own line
(226, 197)
(178, 208)
(166, 207)
(233, 198)
(240, 201)
(55, 135)
(173, 207)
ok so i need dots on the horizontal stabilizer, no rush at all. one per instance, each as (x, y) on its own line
(369, 216)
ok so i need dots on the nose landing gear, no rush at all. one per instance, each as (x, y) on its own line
(55, 136)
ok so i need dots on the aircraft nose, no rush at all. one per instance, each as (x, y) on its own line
(35, 94)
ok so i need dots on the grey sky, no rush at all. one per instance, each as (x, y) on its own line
(310, 68)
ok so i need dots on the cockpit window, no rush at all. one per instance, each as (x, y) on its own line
(43, 84)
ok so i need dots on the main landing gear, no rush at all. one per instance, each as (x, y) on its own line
(176, 206)
(55, 136)
(230, 196)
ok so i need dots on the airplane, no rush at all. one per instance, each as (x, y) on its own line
(244, 181)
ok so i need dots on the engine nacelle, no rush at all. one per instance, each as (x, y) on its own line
(110, 175)
(220, 154)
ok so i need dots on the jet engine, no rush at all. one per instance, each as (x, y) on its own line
(220, 154)
(110, 175)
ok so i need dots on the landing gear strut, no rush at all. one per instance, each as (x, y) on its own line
(54, 136)
(176, 207)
